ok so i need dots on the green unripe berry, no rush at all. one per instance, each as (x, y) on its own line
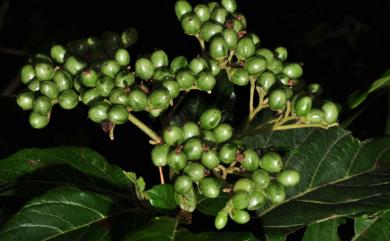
(178, 63)
(314, 88)
(63, 80)
(219, 15)
(25, 100)
(162, 73)
(261, 178)
(288, 178)
(198, 65)
(144, 68)
(266, 80)
(172, 87)
(68, 99)
(231, 38)
(218, 48)
(33, 85)
(255, 65)
(275, 193)
(110, 68)
(284, 79)
(89, 77)
(44, 71)
(183, 184)
(213, 6)
(118, 114)
(256, 200)
(293, 70)
(237, 26)
(195, 171)
(57, 52)
(122, 57)
(173, 135)
(251, 160)
(205, 81)
(271, 162)
(209, 136)
(277, 99)
(105, 85)
(240, 216)
(240, 17)
(303, 105)
(220, 220)
(229, 5)
(38, 121)
(49, 89)
(159, 155)
(281, 53)
(210, 159)
(331, 112)
(244, 184)
(240, 200)
(223, 132)
(209, 187)
(185, 78)
(245, 48)
(159, 58)
(74, 65)
(177, 160)
(124, 78)
(27, 73)
(316, 116)
(255, 38)
(193, 149)
(98, 112)
(191, 24)
(190, 129)
(129, 37)
(275, 66)
(214, 67)
(90, 96)
(138, 100)
(203, 12)
(41, 105)
(210, 29)
(266, 53)
(182, 7)
(227, 154)
(119, 96)
(160, 99)
(210, 119)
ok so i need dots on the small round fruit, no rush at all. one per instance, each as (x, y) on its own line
(191, 24)
(74, 65)
(63, 80)
(178, 63)
(110, 68)
(245, 48)
(42, 105)
(223, 132)
(229, 5)
(182, 7)
(33, 85)
(271, 162)
(38, 121)
(303, 105)
(193, 149)
(261, 178)
(195, 171)
(293, 70)
(218, 48)
(331, 112)
(314, 88)
(209, 136)
(210, 29)
(183, 184)
(68, 99)
(288, 178)
(159, 155)
(237, 26)
(281, 53)
(159, 58)
(251, 160)
(198, 65)
(244, 184)
(275, 66)
(144, 68)
(90, 96)
(105, 85)
(44, 71)
(49, 89)
(129, 37)
(177, 160)
(239, 76)
(316, 116)
(210, 119)
(240, 216)
(27, 73)
(25, 100)
(124, 78)
(266, 80)
(89, 77)
(122, 56)
(98, 112)
(118, 114)
(256, 200)
(205, 81)
(227, 154)
(172, 87)
(220, 220)
(190, 129)
(275, 193)
(209, 187)
(210, 159)
(57, 52)
(255, 65)
(231, 38)
(173, 135)
(138, 100)
(255, 38)
(160, 99)
(266, 53)
(214, 67)
(213, 5)
(203, 12)
(277, 99)
(219, 15)
(240, 200)
(119, 96)
(185, 78)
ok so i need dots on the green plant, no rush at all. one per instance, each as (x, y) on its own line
(286, 158)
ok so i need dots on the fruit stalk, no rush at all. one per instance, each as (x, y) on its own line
(153, 135)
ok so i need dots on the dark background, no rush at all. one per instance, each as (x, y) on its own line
(344, 46)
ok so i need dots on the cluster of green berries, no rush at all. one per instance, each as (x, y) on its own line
(202, 154)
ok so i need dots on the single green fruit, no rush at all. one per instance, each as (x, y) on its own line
(277, 99)
(267, 79)
(284, 79)
(251, 160)
(275, 66)
(281, 53)
(209, 137)
(195, 171)
(203, 12)
(182, 8)
(238, 27)
(177, 160)
(198, 65)
(219, 15)
(227, 154)
(178, 63)
(68, 99)
(255, 65)
(240, 200)
(185, 78)
(214, 67)
(173, 135)
(220, 220)
(244, 184)
(255, 38)
(210, 159)
(209, 187)
(245, 48)
(331, 112)
(110, 68)
(129, 37)
(89, 77)
(231, 38)
(261, 178)
(159, 58)
(119, 96)
(27, 73)
(271, 162)
(293, 70)
(144, 68)
(98, 112)
(118, 114)
(105, 85)
(74, 65)
(314, 88)
(38, 121)
(41, 105)
(122, 57)
(49, 89)
(162, 73)
(276, 193)
(288, 178)
(213, 6)
(90, 96)
(205, 81)
(223, 132)
(183, 184)
(266, 53)
(193, 149)
(34, 84)
(57, 52)
(124, 78)
(191, 24)
(44, 71)
(172, 87)
(160, 99)
(190, 129)
(63, 80)
(240, 17)
(240, 216)
(229, 5)
(138, 100)
(218, 48)
(159, 155)
(256, 201)
(25, 100)
(303, 105)
(210, 119)
(210, 29)
(316, 116)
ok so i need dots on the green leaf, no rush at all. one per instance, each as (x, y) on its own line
(373, 229)
(211, 206)
(340, 175)
(275, 236)
(162, 196)
(29, 172)
(68, 213)
(326, 230)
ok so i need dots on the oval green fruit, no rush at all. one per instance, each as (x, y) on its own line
(41, 105)
(261, 178)
(190, 129)
(275, 66)
(191, 24)
(267, 79)
(182, 7)
(266, 53)
(177, 160)
(74, 65)
(63, 80)
(119, 96)
(58, 52)
(90, 96)
(331, 112)
(271, 162)
(223, 132)
(245, 48)
(110, 68)
(38, 121)
(183, 184)
(218, 48)
(251, 160)
(124, 78)
(159, 58)
(231, 38)
(240, 216)
(89, 77)
(160, 99)
(220, 220)
(44, 71)
(209, 137)
(205, 81)
(203, 12)
(219, 15)
(275, 193)
(49, 89)
(210, 29)
(281, 53)
(293, 70)
(27, 73)
(173, 135)
(144, 68)
(214, 67)
(195, 171)
(138, 100)
(105, 85)
(172, 87)
(98, 112)
(315, 116)
(178, 63)
(303, 105)
(198, 65)
(227, 154)
(255, 65)
(185, 78)
(159, 155)
(193, 149)
(118, 114)
(288, 178)
(277, 99)
(210, 119)
(210, 159)
(25, 100)
(68, 99)
(209, 187)
(122, 57)
(239, 76)
(240, 200)
(229, 5)
(256, 200)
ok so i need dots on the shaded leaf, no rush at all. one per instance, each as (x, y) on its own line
(374, 229)
(326, 230)
(162, 196)
(211, 206)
